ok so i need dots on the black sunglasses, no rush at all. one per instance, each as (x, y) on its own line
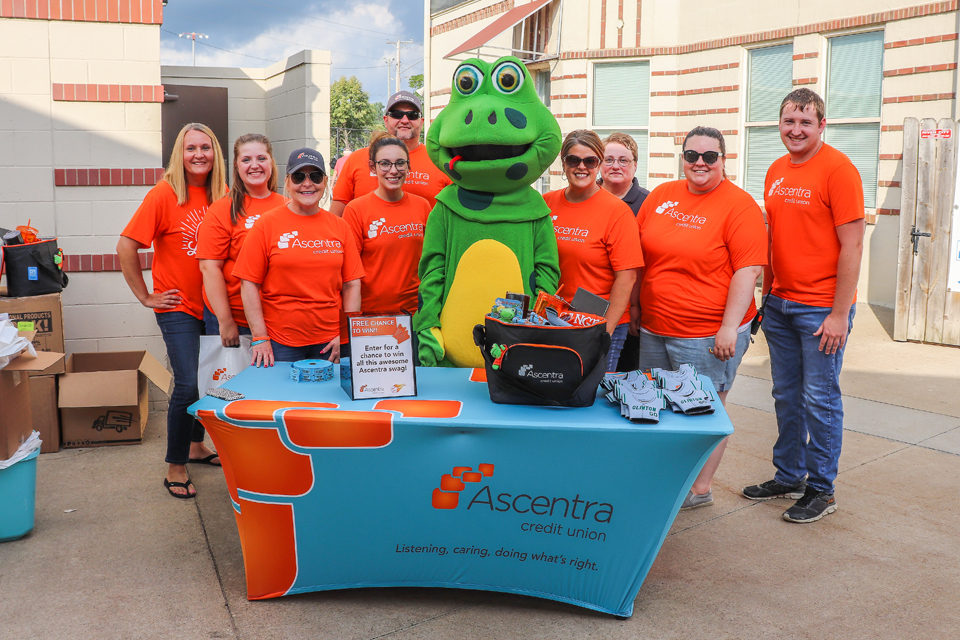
(590, 162)
(316, 177)
(709, 157)
(397, 114)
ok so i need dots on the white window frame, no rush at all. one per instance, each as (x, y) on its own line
(824, 74)
(604, 131)
(743, 151)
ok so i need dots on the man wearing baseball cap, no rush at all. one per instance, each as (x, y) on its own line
(403, 119)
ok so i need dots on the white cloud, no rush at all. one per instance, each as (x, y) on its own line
(294, 34)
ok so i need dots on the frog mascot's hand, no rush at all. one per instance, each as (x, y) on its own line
(431, 347)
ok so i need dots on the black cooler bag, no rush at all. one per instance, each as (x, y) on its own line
(33, 270)
(551, 366)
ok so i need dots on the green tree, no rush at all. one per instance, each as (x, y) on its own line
(416, 82)
(350, 110)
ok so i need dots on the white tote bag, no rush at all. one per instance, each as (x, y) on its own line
(219, 363)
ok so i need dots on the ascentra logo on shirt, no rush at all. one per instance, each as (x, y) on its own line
(791, 195)
(290, 240)
(407, 230)
(668, 208)
(570, 234)
(248, 223)
(417, 177)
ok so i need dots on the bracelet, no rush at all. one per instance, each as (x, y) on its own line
(260, 338)
(261, 341)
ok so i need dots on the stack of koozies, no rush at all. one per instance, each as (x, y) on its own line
(642, 395)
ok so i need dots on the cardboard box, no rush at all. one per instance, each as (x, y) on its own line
(46, 314)
(46, 416)
(16, 416)
(103, 397)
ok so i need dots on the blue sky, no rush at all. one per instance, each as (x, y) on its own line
(265, 31)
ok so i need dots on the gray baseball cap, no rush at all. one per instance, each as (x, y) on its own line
(305, 157)
(404, 96)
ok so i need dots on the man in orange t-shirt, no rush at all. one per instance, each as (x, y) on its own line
(814, 203)
(404, 119)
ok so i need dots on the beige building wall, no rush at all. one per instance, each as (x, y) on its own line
(698, 56)
(39, 134)
(289, 101)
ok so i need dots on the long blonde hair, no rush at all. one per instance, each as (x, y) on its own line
(176, 175)
(238, 190)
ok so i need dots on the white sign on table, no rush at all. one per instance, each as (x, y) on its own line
(381, 358)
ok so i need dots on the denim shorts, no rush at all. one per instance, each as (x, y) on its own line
(669, 353)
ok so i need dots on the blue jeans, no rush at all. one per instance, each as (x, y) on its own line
(617, 338)
(181, 334)
(283, 353)
(212, 325)
(806, 393)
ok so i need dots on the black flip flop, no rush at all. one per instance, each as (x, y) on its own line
(208, 460)
(185, 485)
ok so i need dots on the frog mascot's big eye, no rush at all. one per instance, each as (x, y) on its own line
(467, 79)
(508, 78)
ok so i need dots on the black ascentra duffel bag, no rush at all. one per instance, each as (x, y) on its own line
(542, 365)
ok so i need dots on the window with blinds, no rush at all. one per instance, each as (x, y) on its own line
(621, 102)
(854, 97)
(770, 79)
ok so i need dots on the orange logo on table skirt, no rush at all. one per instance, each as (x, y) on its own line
(256, 460)
(478, 375)
(339, 429)
(448, 495)
(263, 410)
(422, 408)
(269, 544)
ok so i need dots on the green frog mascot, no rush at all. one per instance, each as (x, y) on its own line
(490, 231)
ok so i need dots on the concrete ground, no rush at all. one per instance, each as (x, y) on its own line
(128, 561)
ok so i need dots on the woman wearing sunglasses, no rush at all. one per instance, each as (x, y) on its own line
(298, 266)
(704, 244)
(596, 236)
(225, 227)
(168, 219)
(387, 226)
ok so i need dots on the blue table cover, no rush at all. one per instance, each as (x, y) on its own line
(448, 489)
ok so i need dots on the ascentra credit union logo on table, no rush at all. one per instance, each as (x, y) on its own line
(485, 498)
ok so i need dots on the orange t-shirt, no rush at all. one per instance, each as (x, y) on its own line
(805, 204)
(172, 230)
(692, 245)
(300, 263)
(390, 238)
(595, 238)
(218, 239)
(356, 179)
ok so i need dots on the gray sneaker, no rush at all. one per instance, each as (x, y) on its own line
(772, 489)
(694, 501)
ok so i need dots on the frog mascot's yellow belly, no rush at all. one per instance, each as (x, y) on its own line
(486, 271)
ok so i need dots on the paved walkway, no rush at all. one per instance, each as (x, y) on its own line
(130, 562)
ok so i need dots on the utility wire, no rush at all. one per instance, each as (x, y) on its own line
(245, 55)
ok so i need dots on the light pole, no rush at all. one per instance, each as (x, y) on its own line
(193, 42)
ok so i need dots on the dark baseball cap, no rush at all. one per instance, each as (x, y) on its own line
(404, 96)
(305, 158)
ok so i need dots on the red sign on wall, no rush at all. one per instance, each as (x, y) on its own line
(935, 133)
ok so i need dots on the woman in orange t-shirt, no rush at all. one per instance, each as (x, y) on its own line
(597, 237)
(298, 265)
(168, 219)
(387, 225)
(704, 244)
(253, 193)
